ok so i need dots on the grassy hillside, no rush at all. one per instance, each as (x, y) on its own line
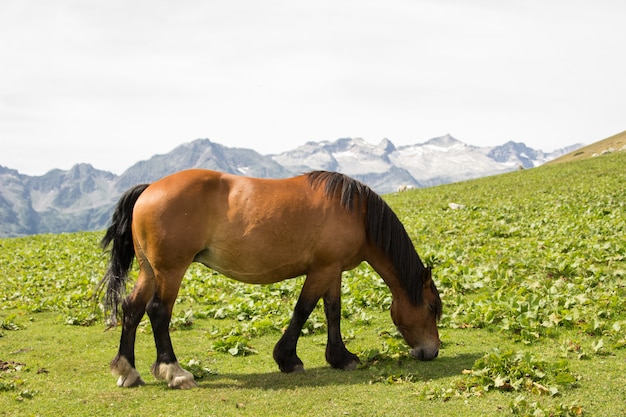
(614, 143)
(531, 267)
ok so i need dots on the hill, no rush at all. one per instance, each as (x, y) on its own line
(530, 265)
(615, 143)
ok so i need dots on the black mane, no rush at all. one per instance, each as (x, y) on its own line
(382, 226)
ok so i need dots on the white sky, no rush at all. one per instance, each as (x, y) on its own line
(114, 82)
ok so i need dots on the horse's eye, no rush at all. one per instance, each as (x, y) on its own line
(432, 308)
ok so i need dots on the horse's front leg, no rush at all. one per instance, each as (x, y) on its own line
(336, 353)
(166, 366)
(316, 285)
(285, 350)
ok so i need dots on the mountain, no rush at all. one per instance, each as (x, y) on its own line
(83, 197)
(438, 161)
(202, 153)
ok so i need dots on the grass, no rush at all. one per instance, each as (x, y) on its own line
(532, 273)
(241, 386)
(66, 378)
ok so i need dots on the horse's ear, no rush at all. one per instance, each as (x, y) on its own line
(428, 275)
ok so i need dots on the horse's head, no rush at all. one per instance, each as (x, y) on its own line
(418, 323)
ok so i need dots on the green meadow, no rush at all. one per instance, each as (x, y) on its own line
(531, 267)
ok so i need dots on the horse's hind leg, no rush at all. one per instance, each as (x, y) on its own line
(159, 310)
(133, 309)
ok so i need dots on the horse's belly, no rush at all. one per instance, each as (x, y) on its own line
(253, 267)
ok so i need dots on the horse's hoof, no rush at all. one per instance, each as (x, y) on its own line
(129, 381)
(182, 382)
(299, 367)
(128, 376)
(175, 376)
(345, 361)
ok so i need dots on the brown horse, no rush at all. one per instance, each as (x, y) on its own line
(261, 231)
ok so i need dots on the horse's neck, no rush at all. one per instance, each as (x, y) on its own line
(384, 267)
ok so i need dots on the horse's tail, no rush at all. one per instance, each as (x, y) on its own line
(122, 252)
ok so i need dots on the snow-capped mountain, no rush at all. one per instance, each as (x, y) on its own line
(438, 161)
(82, 198)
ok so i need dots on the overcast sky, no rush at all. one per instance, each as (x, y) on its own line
(114, 82)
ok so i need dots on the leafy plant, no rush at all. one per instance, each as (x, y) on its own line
(8, 323)
(519, 371)
(81, 318)
(182, 323)
(234, 345)
(522, 407)
(198, 370)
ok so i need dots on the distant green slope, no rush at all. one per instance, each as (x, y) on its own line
(611, 144)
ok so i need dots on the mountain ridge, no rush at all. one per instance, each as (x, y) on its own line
(82, 197)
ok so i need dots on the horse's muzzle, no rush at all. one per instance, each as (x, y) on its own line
(424, 354)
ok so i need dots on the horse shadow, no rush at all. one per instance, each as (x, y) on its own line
(443, 367)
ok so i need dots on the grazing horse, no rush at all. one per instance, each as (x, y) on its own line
(261, 231)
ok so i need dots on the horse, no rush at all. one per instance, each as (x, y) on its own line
(260, 231)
